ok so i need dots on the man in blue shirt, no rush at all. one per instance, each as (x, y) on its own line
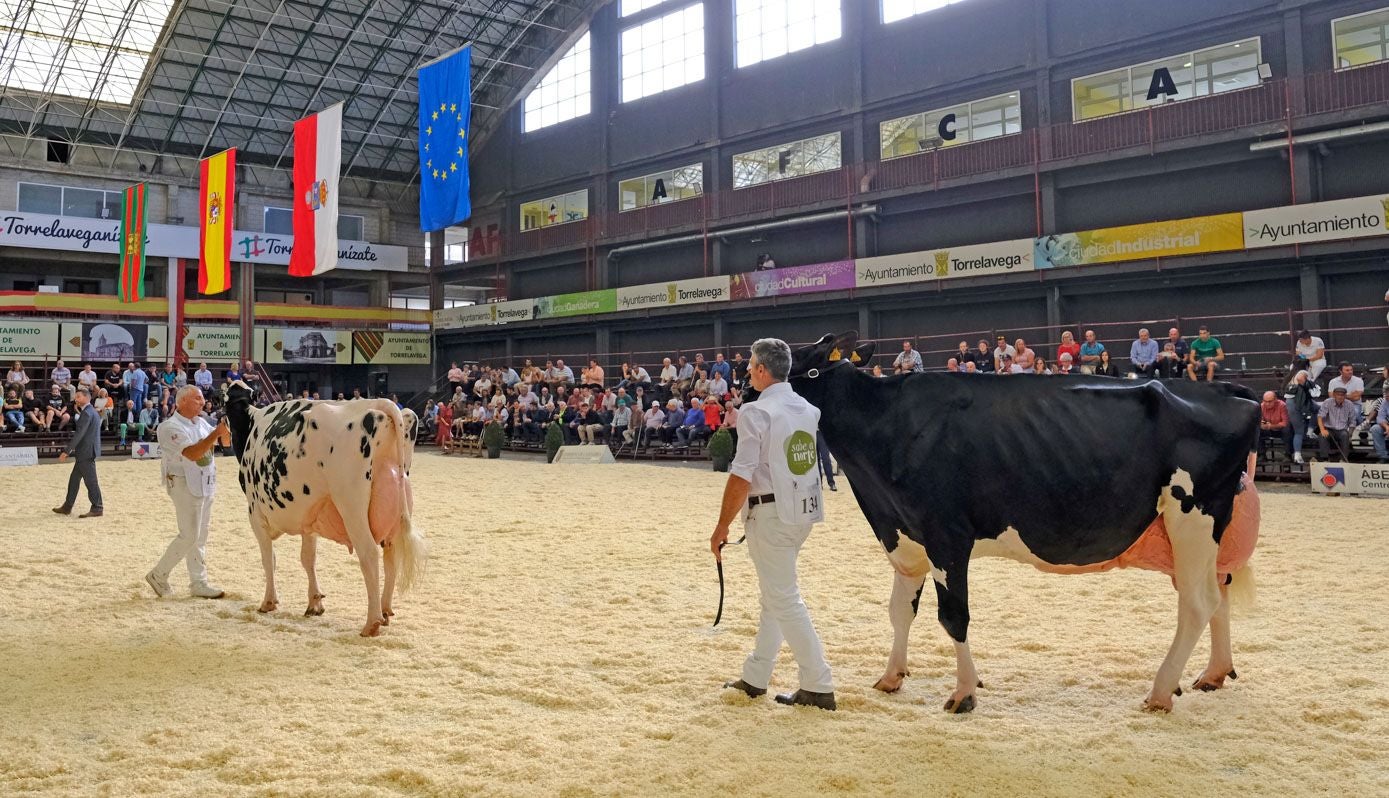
(1174, 336)
(1090, 353)
(694, 423)
(136, 384)
(722, 368)
(1144, 353)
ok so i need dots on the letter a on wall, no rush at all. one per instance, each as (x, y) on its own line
(659, 190)
(1162, 83)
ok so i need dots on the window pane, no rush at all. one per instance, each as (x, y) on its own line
(766, 29)
(279, 221)
(350, 227)
(981, 119)
(1199, 74)
(894, 10)
(630, 7)
(83, 202)
(564, 92)
(1362, 39)
(799, 158)
(663, 54)
(36, 198)
(1099, 95)
(686, 182)
(571, 207)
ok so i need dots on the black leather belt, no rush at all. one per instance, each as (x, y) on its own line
(766, 498)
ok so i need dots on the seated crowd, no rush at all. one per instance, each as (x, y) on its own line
(682, 405)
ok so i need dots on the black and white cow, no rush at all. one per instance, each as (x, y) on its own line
(1069, 474)
(340, 470)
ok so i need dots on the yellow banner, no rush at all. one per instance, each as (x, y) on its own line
(218, 187)
(1220, 233)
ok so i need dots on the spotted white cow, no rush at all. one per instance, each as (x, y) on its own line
(338, 470)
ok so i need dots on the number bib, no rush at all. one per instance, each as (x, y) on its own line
(202, 479)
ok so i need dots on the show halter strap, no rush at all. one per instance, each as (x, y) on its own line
(718, 616)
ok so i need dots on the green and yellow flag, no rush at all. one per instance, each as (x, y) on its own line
(133, 245)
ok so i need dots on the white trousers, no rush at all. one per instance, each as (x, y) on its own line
(192, 514)
(773, 547)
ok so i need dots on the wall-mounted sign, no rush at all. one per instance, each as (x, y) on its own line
(22, 340)
(941, 264)
(212, 344)
(376, 346)
(1220, 233)
(14, 456)
(835, 276)
(1317, 221)
(308, 347)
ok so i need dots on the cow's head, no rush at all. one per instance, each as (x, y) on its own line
(239, 409)
(828, 352)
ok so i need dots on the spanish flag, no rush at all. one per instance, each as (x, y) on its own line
(217, 194)
(133, 244)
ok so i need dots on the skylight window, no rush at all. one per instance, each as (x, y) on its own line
(767, 29)
(565, 92)
(894, 10)
(49, 46)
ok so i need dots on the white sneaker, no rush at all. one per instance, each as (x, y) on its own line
(1297, 457)
(205, 590)
(160, 586)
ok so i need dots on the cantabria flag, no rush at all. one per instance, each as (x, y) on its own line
(317, 162)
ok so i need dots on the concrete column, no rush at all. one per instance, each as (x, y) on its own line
(1309, 281)
(867, 322)
(1046, 196)
(436, 266)
(718, 333)
(1054, 309)
(379, 291)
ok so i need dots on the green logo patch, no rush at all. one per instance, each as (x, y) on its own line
(800, 452)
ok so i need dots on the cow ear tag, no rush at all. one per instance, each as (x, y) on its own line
(854, 358)
(834, 354)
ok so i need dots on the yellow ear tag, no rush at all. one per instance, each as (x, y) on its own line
(854, 358)
(834, 354)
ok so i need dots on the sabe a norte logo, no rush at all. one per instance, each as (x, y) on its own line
(800, 452)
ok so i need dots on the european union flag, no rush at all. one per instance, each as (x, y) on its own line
(445, 86)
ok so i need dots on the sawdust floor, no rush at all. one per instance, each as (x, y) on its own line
(561, 647)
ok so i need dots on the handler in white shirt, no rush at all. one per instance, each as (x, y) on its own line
(189, 473)
(775, 485)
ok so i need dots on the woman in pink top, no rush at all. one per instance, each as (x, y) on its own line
(1022, 361)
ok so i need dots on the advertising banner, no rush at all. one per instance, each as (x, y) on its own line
(371, 347)
(144, 450)
(1317, 221)
(515, 310)
(1006, 257)
(465, 316)
(22, 340)
(113, 342)
(681, 292)
(12, 456)
(835, 276)
(308, 346)
(1140, 241)
(213, 344)
(1359, 478)
(584, 303)
(79, 234)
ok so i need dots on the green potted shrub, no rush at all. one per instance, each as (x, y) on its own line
(493, 438)
(554, 439)
(721, 449)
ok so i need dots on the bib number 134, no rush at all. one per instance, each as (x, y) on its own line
(809, 505)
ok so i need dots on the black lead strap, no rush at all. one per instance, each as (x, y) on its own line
(718, 616)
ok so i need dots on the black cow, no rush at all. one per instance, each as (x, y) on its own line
(1067, 473)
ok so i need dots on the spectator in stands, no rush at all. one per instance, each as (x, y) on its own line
(730, 420)
(1066, 364)
(952, 366)
(1003, 348)
(56, 410)
(154, 385)
(114, 382)
(202, 379)
(62, 377)
(971, 367)
(908, 361)
(1380, 431)
(455, 377)
(530, 374)
(1302, 406)
(713, 414)
(1178, 343)
(136, 383)
(668, 376)
(482, 387)
(339, 398)
(701, 384)
(652, 421)
(180, 378)
(1274, 421)
(357, 393)
(1090, 353)
(593, 375)
(620, 426)
(765, 263)
(129, 421)
(1005, 364)
(984, 357)
(105, 407)
(35, 411)
(718, 386)
(692, 428)
(878, 371)
(167, 377)
(16, 378)
(1205, 355)
(14, 411)
(963, 355)
(675, 416)
(251, 376)
(1069, 346)
(684, 376)
(510, 378)
(1039, 365)
(1170, 365)
(1106, 367)
(740, 371)
(1143, 354)
(721, 368)
(88, 378)
(639, 379)
(587, 424)
(1334, 421)
(563, 373)
(233, 372)
(1309, 352)
(443, 425)
(1355, 387)
(1024, 357)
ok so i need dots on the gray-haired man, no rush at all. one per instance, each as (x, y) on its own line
(775, 485)
(84, 448)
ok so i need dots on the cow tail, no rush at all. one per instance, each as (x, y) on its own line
(411, 552)
(1242, 591)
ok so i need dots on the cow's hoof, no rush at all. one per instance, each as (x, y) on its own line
(313, 612)
(267, 606)
(891, 683)
(1150, 705)
(1206, 684)
(961, 706)
(372, 629)
(386, 616)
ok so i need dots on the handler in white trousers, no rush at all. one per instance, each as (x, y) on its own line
(774, 483)
(189, 473)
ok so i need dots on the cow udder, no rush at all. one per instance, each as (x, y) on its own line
(390, 501)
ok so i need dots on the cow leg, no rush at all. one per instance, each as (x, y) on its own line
(390, 554)
(953, 611)
(1222, 662)
(369, 557)
(308, 554)
(1198, 596)
(267, 561)
(901, 610)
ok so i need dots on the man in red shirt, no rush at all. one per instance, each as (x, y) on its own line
(1273, 421)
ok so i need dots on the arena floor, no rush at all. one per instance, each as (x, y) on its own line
(561, 647)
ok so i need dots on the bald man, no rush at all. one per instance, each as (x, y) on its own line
(1273, 422)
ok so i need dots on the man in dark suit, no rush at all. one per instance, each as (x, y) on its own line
(85, 447)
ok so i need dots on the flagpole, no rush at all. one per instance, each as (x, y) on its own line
(248, 309)
(436, 59)
(177, 281)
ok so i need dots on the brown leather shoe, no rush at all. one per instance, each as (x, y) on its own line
(805, 698)
(63, 510)
(91, 514)
(752, 692)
